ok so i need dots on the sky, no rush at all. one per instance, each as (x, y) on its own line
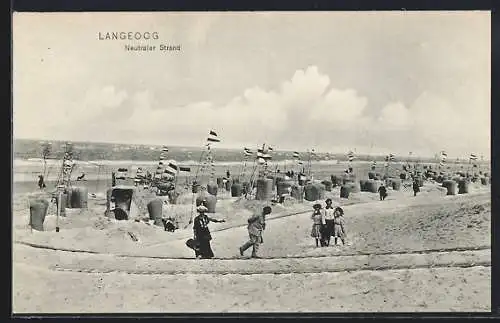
(373, 82)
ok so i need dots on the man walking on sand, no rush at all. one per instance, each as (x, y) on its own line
(256, 224)
(382, 191)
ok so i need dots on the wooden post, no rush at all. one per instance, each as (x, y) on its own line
(59, 197)
(29, 218)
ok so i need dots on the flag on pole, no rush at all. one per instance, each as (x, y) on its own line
(212, 137)
(350, 156)
(172, 164)
(444, 155)
(169, 170)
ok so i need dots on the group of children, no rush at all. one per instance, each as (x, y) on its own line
(328, 222)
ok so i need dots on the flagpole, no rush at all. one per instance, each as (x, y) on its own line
(192, 188)
(252, 176)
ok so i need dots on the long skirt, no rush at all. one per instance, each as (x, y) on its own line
(204, 250)
(316, 231)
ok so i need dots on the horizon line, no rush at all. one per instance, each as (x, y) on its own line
(203, 146)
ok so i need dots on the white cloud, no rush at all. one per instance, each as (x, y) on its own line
(306, 111)
(395, 116)
(433, 123)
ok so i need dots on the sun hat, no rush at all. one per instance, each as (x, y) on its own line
(317, 206)
(202, 208)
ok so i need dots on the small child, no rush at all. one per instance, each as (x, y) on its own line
(317, 217)
(339, 225)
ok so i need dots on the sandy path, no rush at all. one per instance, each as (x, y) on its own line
(397, 290)
(65, 261)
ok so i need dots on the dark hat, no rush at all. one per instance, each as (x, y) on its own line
(328, 200)
(317, 206)
(339, 209)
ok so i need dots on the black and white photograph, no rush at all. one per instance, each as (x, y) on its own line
(251, 162)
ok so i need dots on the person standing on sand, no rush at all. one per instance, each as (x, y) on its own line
(339, 225)
(416, 187)
(382, 191)
(202, 233)
(317, 227)
(41, 182)
(328, 221)
(256, 224)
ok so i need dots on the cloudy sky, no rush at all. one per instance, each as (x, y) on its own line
(376, 82)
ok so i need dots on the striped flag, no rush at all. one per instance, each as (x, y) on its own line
(296, 154)
(261, 154)
(444, 155)
(350, 156)
(185, 169)
(172, 164)
(212, 137)
(473, 157)
(170, 171)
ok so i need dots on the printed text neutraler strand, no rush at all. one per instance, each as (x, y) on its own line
(152, 48)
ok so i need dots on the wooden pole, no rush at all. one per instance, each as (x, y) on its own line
(59, 196)
(29, 218)
(195, 179)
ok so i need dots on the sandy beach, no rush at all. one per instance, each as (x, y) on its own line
(401, 254)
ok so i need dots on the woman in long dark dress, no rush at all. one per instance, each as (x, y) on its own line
(202, 233)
